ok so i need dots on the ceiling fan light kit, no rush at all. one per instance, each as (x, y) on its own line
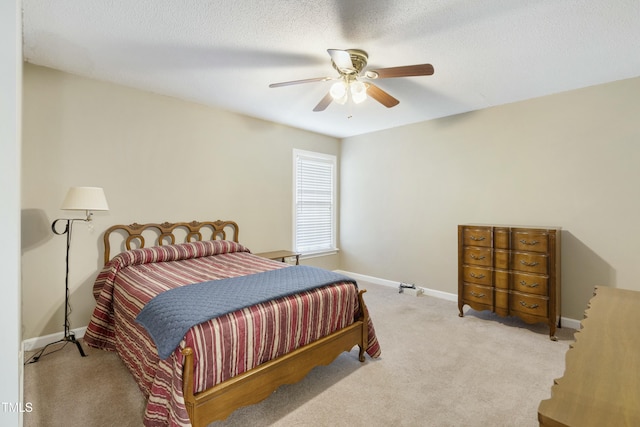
(350, 64)
(343, 89)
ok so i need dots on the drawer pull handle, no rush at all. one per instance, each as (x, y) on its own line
(533, 285)
(474, 256)
(477, 239)
(474, 294)
(531, 243)
(532, 306)
(479, 276)
(529, 264)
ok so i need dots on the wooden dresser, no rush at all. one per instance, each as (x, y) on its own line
(512, 271)
(601, 381)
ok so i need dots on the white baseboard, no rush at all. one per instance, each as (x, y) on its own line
(394, 284)
(39, 342)
(566, 322)
(571, 323)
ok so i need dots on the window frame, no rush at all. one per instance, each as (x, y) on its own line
(319, 158)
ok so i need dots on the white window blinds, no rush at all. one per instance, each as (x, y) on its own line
(314, 202)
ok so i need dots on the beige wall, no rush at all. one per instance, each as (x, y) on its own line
(569, 160)
(158, 159)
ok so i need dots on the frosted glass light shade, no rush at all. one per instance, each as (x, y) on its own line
(358, 91)
(85, 199)
(338, 92)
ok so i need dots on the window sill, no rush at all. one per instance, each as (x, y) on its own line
(319, 253)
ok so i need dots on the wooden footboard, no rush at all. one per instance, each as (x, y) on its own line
(253, 386)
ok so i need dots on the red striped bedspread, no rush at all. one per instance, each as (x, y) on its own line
(223, 347)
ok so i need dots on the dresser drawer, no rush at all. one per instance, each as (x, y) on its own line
(480, 294)
(501, 238)
(530, 284)
(477, 236)
(530, 241)
(478, 275)
(501, 279)
(501, 259)
(477, 256)
(502, 300)
(529, 262)
(536, 306)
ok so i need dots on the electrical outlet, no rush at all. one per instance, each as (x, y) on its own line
(410, 289)
(417, 292)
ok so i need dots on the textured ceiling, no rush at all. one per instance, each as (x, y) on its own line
(225, 53)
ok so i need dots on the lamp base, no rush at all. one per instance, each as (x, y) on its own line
(68, 338)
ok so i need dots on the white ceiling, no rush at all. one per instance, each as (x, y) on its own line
(225, 53)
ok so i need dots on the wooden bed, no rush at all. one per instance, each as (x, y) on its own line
(256, 384)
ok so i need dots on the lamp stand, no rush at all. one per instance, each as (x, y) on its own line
(69, 336)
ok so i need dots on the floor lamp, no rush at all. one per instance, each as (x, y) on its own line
(78, 199)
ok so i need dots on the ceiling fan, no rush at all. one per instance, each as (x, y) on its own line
(354, 82)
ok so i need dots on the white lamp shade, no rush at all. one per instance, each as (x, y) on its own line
(85, 199)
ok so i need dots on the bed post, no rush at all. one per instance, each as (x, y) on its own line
(365, 325)
(187, 381)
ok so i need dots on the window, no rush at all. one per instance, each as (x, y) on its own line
(314, 202)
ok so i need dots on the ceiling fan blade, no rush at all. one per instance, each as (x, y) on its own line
(342, 59)
(297, 82)
(406, 71)
(381, 96)
(324, 103)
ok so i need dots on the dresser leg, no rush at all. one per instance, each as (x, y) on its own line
(552, 332)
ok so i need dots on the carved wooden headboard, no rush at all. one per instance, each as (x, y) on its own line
(166, 233)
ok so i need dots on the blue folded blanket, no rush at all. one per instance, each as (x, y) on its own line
(169, 315)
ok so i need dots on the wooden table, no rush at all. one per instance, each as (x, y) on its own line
(281, 255)
(601, 383)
